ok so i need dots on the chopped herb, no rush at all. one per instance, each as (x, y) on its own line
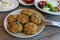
(17, 23)
(46, 8)
(36, 16)
(21, 22)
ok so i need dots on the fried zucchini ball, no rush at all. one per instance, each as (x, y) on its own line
(23, 18)
(35, 18)
(30, 28)
(11, 18)
(15, 27)
(28, 12)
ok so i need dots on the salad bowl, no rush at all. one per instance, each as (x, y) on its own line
(45, 9)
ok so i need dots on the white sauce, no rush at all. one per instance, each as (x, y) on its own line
(6, 5)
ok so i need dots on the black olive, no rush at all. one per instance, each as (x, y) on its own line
(40, 5)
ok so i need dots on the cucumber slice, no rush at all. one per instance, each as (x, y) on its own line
(46, 8)
(53, 9)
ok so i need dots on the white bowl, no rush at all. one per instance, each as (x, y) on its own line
(23, 3)
(48, 12)
(22, 35)
(16, 4)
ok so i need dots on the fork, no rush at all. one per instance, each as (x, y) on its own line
(53, 23)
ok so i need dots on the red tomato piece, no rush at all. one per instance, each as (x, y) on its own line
(58, 8)
(42, 3)
(28, 1)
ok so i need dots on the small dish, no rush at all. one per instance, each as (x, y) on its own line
(23, 3)
(48, 12)
(8, 5)
(22, 35)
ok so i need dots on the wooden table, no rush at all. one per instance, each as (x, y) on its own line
(48, 31)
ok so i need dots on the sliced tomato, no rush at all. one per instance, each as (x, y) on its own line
(28, 1)
(58, 9)
(42, 3)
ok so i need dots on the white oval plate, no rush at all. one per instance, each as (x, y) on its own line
(16, 5)
(22, 35)
(20, 1)
(48, 12)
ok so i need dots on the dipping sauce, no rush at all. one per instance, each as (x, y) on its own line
(7, 5)
(28, 1)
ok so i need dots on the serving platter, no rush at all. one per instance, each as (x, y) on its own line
(41, 26)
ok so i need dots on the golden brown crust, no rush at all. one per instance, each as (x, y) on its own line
(15, 28)
(27, 18)
(30, 28)
(23, 18)
(11, 18)
(28, 12)
(35, 18)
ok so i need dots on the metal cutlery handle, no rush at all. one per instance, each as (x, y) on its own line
(49, 22)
